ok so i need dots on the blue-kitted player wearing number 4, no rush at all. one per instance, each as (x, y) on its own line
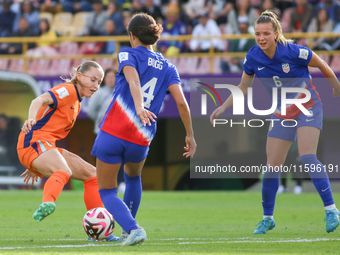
(280, 63)
(129, 124)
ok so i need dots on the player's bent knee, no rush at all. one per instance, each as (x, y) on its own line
(66, 170)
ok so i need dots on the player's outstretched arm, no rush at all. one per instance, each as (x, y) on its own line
(36, 104)
(246, 82)
(316, 61)
(132, 77)
(184, 112)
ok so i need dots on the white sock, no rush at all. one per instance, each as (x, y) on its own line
(330, 207)
(271, 216)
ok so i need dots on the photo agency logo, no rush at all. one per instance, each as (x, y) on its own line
(239, 104)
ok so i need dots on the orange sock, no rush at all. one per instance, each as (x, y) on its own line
(54, 185)
(91, 194)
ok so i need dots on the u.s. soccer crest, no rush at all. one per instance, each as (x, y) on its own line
(285, 67)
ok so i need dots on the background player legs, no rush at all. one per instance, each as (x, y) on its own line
(276, 150)
(133, 181)
(308, 138)
(107, 182)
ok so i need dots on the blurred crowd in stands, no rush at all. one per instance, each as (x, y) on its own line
(52, 18)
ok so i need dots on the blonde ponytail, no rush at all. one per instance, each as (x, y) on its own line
(270, 16)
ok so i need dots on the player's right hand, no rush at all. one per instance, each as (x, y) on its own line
(145, 116)
(28, 125)
(28, 175)
(190, 147)
(216, 113)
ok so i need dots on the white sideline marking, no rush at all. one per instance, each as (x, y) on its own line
(221, 240)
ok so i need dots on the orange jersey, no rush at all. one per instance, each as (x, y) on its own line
(54, 122)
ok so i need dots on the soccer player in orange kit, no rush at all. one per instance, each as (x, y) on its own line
(51, 117)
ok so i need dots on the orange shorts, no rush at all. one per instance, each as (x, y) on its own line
(29, 154)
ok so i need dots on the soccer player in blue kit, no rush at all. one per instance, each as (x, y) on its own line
(129, 124)
(279, 63)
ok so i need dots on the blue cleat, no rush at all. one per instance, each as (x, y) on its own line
(332, 218)
(137, 236)
(111, 238)
(265, 225)
(43, 211)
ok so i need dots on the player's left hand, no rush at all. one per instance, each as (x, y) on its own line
(28, 175)
(336, 91)
(190, 147)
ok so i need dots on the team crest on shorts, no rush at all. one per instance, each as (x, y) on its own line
(285, 67)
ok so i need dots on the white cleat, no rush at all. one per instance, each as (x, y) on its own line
(137, 236)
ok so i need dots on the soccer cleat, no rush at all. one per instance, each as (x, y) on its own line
(137, 236)
(332, 219)
(111, 238)
(123, 236)
(265, 225)
(43, 211)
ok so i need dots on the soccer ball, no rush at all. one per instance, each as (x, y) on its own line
(98, 223)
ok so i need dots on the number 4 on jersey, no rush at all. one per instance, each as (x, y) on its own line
(149, 95)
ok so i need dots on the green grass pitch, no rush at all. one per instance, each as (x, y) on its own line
(175, 222)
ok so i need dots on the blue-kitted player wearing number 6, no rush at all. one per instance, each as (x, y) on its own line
(280, 63)
(129, 124)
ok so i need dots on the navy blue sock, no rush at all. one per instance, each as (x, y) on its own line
(319, 179)
(270, 185)
(133, 193)
(118, 209)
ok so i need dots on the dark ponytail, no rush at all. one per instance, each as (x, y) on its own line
(144, 27)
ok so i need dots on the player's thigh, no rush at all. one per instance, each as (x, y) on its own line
(50, 161)
(307, 140)
(134, 158)
(81, 170)
(277, 150)
(134, 169)
(107, 174)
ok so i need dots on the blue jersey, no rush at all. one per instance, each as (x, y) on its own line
(288, 68)
(156, 74)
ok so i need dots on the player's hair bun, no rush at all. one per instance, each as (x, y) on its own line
(145, 28)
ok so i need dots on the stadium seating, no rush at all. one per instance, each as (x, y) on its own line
(204, 66)
(17, 65)
(217, 66)
(61, 21)
(39, 67)
(4, 64)
(78, 23)
(335, 64)
(60, 67)
(46, 15)
(285, 21)
(68, 48)
(106, 63)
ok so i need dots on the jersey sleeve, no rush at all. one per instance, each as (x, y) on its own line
(61, 95)
(173, 76)
(301, 55)
(126, 58)
(247, 67)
